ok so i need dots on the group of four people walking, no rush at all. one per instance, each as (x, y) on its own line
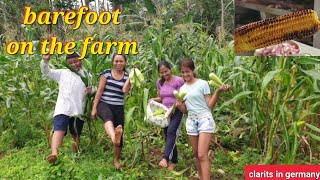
(109, 106)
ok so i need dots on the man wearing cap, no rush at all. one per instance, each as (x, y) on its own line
(72, 92)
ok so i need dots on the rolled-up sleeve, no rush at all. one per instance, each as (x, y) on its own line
(50, 73)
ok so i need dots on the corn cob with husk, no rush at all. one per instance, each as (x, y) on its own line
(136, 77)
(131, 76)
(275, 30)
(159, 113)
(179, 94)
(214, 80)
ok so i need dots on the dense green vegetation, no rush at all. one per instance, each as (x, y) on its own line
(269, 116)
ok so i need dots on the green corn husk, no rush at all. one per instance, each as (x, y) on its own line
(215, 79)
(131, 76)
(214, 84)
(139, 75)
(158, 112)
(182, 94)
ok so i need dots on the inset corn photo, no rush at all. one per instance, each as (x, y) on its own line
(277, 28)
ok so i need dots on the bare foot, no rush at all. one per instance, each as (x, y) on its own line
(171, 167)
(52, 158)
(118, 133)
(163, 163)
(116, 164)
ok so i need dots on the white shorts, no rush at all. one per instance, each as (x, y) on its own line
(198, 123)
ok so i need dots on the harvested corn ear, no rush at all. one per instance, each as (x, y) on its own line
(276, 30)
(136, 77)
(215, 81)
(179, 94)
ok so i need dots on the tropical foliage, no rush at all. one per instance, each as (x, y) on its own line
(269, 116)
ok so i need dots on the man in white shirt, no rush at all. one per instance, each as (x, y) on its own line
(72, 92)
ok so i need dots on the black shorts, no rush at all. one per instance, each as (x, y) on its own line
(61, 123)
(114, 113)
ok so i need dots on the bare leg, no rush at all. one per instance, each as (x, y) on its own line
(57, 139)
(194, 143)
(117, 149)
(115, 135)
(108, 127)
(203, 148)
(75, 143)
(116, 159)
(164, 163)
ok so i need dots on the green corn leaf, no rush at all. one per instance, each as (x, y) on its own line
(85, 79)
(312, 73)
(313, 127)
(179, 173)
(235, 98)
(311, 97)
(315, 137)
(268, 78)
(247, 72)
(232, 76)
(145, 100)
(307, 60)
(309, 111)
(129, 114)
(128, 119)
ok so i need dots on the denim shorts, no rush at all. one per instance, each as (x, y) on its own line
(200, 123)
(61, 122)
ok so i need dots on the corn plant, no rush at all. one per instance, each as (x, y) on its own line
(277, 104)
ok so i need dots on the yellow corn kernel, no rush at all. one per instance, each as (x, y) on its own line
(276, 30)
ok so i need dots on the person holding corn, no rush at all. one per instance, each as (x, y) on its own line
(109, 102)
(72, 93)
(166, 86)
(200, 124)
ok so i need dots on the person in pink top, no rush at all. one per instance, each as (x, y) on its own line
(165, 86)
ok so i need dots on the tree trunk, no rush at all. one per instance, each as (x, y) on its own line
(51, 5)
(97, 6)
(221, 30)
(49, 27)
(106, 5)
(87, 3)
(222, 14)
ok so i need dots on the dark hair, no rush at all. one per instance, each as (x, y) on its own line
(73, 55)
(124, 57)
(189, 64)
(167, 65)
